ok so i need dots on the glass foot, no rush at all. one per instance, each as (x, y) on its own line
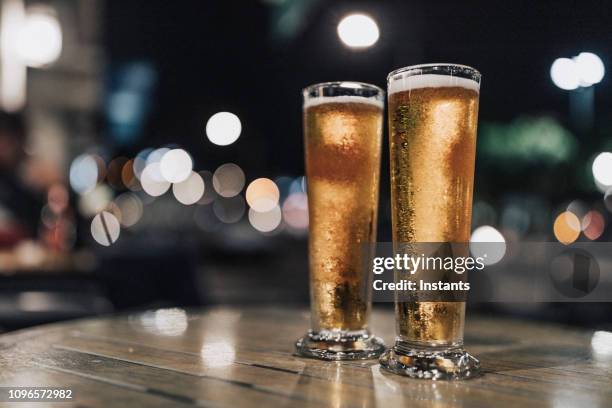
(446, 364)
(340, 345)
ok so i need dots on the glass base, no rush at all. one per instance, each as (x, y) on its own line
(340, 345)
(445, 364)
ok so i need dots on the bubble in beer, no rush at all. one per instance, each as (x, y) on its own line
(228, 180)
(223, 128)
(176, 165)
(566, 227)
(189, 191)
(105, 228)
(262, 195)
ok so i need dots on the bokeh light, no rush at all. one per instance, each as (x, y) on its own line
(218, 354)
(590, 68)
(156, 155)
(114, 172)
(95, 200)
(358, 31)
(564, 74)
(602, 171)
(166, 322)
(262, 195)
(101, 167)
(601, 344)
(578, 207)
(105, 228)
(128, 177)
(229, 210)
(295, 211)
(83, 173)
(30, 253)
(483, 213)
(189, 191)
(39, 42)
(516, 218)
(228, 180)
(584, 70)
(176, 165)
(57, 198)
(209, 192)
(567, 227)
(223, 128)
(150, 180)
(593, 224)
(487, 242)
(49, 217)
(140, 161)
(608, 199)
(131, 208)
(114, 209)
(283, 183)
(298, 185)
(265, 221)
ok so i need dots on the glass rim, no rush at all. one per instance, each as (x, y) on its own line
(339, 84)
(470, 72)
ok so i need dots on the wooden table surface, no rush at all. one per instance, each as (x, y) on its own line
(241, 358)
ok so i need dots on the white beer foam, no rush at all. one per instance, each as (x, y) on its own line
(319, 100)
(410, 82)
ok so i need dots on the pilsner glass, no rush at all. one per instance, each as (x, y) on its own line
(342, 140)
(433, 114)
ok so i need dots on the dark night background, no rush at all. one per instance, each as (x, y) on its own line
(252, 58)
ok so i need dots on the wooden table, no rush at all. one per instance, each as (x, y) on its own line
(233, 358)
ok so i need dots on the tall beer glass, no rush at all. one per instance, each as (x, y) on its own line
(433, 113)
(342, 140)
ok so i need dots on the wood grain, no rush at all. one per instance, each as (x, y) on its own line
(225, 357)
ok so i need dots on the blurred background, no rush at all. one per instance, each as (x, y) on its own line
(151, 151)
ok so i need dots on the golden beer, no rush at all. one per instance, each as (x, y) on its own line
(342, 140)
(433, 114)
